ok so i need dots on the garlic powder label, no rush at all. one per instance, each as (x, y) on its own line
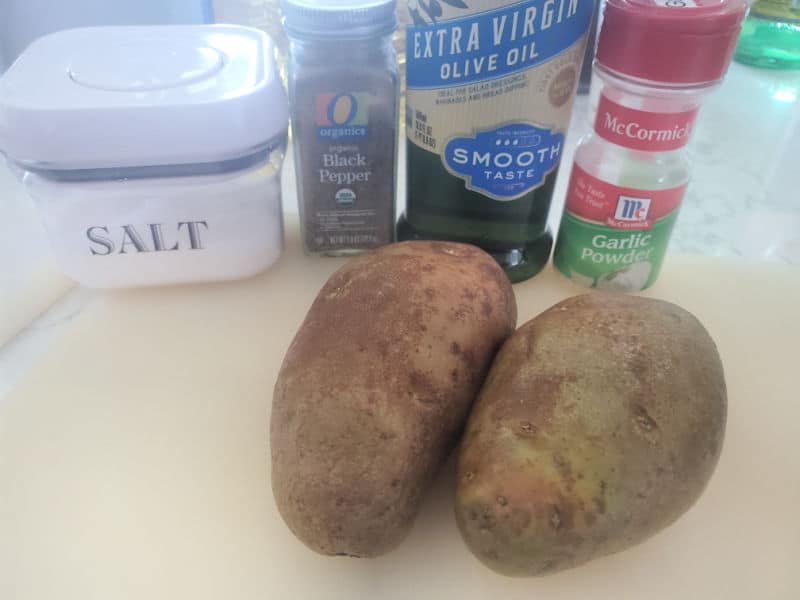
(614, 237)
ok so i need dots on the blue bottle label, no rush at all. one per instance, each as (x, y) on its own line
(490, 86)
(494, 43)
(506, 162)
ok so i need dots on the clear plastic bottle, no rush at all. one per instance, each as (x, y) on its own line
(630, 174)
(630, 167)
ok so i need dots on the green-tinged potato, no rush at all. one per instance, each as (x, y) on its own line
(600, 423)
(376, 386)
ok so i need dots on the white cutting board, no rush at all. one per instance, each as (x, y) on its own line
(134, 459)
(30, 281)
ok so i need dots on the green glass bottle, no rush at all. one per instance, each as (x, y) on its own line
(439, 206)
(490, 86)
(771, 35)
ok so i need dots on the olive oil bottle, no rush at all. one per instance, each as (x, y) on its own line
(490, 86)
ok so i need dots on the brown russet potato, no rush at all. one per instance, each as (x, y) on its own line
(599, 424)
(376, 387)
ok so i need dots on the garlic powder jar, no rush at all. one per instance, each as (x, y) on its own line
(153, 153)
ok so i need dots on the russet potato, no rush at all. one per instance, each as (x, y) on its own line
(600, 423)
(375, 389)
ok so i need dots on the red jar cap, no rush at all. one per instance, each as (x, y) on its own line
(670, 41)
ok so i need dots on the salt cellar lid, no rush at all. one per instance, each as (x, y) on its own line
(110, 97)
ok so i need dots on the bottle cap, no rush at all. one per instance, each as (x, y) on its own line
(331, 19)
(670, 41)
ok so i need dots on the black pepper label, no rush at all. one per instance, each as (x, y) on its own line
(346, 154)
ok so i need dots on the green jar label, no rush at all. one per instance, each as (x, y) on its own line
(614, 237)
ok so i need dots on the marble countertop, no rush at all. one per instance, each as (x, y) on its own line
(742, 201)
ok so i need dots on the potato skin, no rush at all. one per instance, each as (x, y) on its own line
(376, 387)
(600, 423)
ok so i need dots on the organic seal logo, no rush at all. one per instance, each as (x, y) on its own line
(506, 162)
(341, 115)
(345, 196)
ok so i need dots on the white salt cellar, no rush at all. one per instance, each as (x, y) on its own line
(153, 153)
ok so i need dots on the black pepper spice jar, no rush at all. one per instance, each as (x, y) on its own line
(343, 91)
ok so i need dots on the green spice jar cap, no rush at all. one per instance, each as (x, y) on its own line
(339, 19)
